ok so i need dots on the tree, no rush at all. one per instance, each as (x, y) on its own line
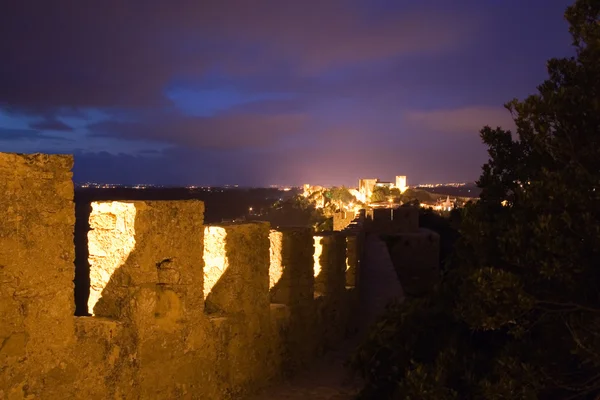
(520, 305)
(380, 193)
(415, 194)
(341, 195)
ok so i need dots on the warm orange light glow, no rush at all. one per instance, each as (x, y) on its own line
(110, 241)
(215, 257)
(317, 254)
(276, 266)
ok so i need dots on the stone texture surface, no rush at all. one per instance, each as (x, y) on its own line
(328, 379)
(292, 284)
(242, 294)
(416, 258)
(406, 219)
(36, 273)
(391, 221)
(352, 256)
(164, 325)
(342, 219)
(330, 289)
(146, 261)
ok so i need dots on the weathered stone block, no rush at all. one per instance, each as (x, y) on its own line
(406, 219)
(416, 260)
(352, 258)
(291, 266)
(158, 245)
(329, 263)
(342, 219)
(36, 267)
(237, 268)
(292, 284)
(330, 287)
(146, 270)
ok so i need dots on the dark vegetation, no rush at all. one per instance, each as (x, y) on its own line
(296, 211)
(517, 314)
(220, 204)
(468, 190)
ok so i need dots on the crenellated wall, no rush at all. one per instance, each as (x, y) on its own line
(36, 274)
(341, 219)
(415, 251)
(178, 310)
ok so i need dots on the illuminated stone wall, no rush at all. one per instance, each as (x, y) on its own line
(352, 255)
(330, 288)
(178, 309)
(342, 219)
(292, 284)
(240, 291)
(36, 273)
(152, 254)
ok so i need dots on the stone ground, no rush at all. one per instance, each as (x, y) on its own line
(328, 379)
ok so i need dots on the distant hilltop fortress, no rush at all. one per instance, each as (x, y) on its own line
(367, 185)
(362, 194)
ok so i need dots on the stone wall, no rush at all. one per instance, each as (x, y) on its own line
(391, 221)
(178, 310)
(342, 219)
(416, 258)
(330, 288)
(415, 252)
(36, 274)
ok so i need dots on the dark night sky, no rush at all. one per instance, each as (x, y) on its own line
(269, 91)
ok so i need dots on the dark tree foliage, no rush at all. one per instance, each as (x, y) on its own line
(518, 314)
(296, 211)
(380, 193)
(420, 196)
(340, 194)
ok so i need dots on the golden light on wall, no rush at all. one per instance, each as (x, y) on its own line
(318, 242)
(110, 241)
(275, 254)
(215, 257)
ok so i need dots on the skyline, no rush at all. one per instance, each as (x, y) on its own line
(278, 93)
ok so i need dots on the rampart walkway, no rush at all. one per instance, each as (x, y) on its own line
(328, 379)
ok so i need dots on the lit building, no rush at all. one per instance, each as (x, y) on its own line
(401, 183)
(365, 187)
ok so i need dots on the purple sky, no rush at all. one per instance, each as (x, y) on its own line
(269, 91)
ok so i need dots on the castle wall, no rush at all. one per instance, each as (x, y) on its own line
(415, 256)
(179, 310)
(241, 293)
(151, 253)
(390, 221)
(292, 284)
(330, 288)
(36, 273)
(342, 219)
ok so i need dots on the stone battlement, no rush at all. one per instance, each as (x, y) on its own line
(178, 309)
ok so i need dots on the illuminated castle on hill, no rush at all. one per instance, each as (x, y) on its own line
(367, 185)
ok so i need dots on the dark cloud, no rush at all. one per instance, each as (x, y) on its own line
(348, 87)
(467, 120)
(112, 53)
(30, 135)
(50, 124)
(223, 131)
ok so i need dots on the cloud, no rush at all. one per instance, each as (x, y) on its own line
(9, 134)
(467, 120)
(51, 124)
(223, 131)
(124, 54)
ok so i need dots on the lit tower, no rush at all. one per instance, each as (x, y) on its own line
(401, 183)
